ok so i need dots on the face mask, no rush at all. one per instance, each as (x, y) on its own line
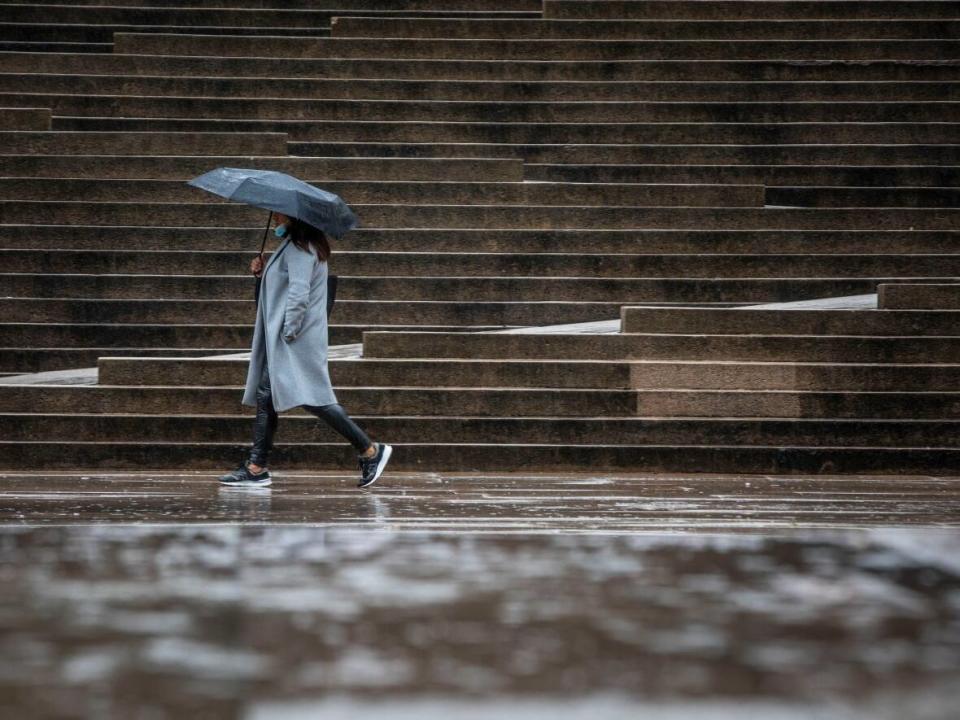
(280, 230)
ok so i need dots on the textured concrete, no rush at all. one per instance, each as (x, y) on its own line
(931, 296)
(552, 49)
(769, 9)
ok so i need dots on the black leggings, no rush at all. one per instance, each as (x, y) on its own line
(265, 423)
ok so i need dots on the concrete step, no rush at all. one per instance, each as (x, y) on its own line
(445, 402)
(538, 457)
(401, 192)
(500, 402)
(171, 167)
(863, 196)
(627, 291)
(200, 429)
(798, 404)
(738, 375)
(803, 30)
(750, 149)
(16, 361)
(654, 374)
(299, 21)
(93, 33)
(40, 47)
(59, 335)
(490, 265)
(33, 356)
(303, 110)
(182, 335)
(703, 90)
(758, 348)
(147, 143)
(924, 297)
(587, 242)
(454, 139)
(24, 118)
(374, 373)
(749, 9)
(356, 312)
(183, 43)
(861, 176)
(606, 71)
(788, 322)
(495, 217)
(353, 6)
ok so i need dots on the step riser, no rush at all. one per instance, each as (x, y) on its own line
(623, 291)
(305, 110)
(654, 242)
(353, 373)
(442, 193)
(242, 46)
(863, 197)
(519, 217)
(877, 176)
(562, 431)
(794, 322)
(494, 265)
(919, 297)
(784, 461)
(17, 361)
(353, 312)
(423, 90)
(647, 375)
(746, 9)
(42, 47)
(148, 143)
(758, 152)
(791, 376)
(184, 168)
(667, 29)
(301, 21)
(785, 404)
(304, 134)
(38, 34)
(418, 401)
(899, 350)
(496, 431)
(24, 118)
(473, 69)
(354, 6)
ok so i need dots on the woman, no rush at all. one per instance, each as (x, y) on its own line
(288, 358)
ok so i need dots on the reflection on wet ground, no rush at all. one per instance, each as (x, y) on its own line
(662, 598)
(507, 502)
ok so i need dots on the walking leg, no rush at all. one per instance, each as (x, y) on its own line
(336, 417)
(264, 424)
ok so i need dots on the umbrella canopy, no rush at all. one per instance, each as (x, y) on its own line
(281, 193)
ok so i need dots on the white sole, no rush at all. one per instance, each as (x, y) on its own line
(258, 483)
(387, 452)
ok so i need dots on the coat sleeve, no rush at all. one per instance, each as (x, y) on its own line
(299, 269)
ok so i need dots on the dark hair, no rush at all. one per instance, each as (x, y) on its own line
(303, 235)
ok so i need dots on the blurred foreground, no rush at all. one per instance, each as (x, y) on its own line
(573, 597)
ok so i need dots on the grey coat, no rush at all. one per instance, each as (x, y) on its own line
(291, 331)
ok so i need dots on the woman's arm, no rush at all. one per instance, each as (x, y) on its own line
(299, 269)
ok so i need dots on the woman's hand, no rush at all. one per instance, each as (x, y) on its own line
(256, 265)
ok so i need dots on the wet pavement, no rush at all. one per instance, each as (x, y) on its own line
(464, 596)
(486, 502)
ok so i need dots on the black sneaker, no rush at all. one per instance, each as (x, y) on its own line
(372, 468)
(244, 477)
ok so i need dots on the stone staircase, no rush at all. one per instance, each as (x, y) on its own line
(590, 230)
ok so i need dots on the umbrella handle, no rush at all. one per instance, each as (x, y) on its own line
(263, 244)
